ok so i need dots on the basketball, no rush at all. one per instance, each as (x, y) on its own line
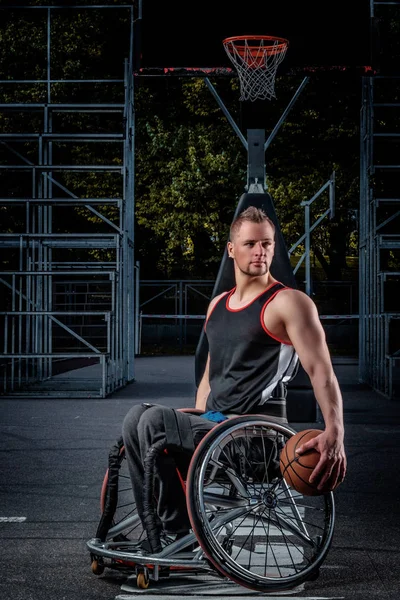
(295, 468)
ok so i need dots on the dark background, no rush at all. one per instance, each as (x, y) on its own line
(187, 34)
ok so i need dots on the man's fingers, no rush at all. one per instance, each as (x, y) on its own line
(317, 472)
(327, 478)
(306, 447)
(328, 481)
(328, 472)
(341, 475)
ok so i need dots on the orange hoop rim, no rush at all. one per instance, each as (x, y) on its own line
(278, 48)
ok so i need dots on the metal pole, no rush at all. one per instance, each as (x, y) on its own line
(137, 301)
(49, 55)
(307, 248)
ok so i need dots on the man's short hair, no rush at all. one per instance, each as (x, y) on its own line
(252, 215)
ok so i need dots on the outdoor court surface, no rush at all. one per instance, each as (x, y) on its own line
(54, 454)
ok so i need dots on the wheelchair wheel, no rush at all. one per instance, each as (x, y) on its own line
(255, 529)
(119, 521)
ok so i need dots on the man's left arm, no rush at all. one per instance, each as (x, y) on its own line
(305, 331)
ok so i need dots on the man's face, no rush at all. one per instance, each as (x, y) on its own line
(252, 248)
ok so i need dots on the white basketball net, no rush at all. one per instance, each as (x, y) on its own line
(256, 66)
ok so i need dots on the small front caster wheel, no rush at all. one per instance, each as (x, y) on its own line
(97, 567)
(142, 580)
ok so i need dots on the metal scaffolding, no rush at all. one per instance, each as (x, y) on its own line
(379, 242)
(68, 298)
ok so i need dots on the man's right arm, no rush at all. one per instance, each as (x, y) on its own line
(204, 388)
(304, 328)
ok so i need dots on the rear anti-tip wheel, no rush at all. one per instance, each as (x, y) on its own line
(97, 566)
(142, 579)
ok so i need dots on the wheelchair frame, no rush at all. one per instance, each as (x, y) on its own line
(247, 525)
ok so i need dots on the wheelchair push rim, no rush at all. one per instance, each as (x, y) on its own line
(253, 528)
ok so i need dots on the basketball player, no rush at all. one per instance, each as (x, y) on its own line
(256, 334)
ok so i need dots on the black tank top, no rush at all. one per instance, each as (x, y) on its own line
(246, 361)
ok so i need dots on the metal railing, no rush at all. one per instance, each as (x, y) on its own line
(379, 240)
(40, 333)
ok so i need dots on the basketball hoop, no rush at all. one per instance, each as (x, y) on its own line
(256, 58)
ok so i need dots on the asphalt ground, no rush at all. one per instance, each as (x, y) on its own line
(53, 456)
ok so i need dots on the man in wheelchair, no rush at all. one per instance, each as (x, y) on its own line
(256, 334)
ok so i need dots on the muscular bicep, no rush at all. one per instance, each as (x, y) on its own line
(307, 335)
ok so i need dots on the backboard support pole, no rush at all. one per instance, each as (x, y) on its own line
(256, 174)
(256, 180)
(226, 112)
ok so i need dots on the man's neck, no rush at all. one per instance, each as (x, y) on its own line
(248, 288)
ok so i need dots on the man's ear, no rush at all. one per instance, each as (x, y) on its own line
(230, 249)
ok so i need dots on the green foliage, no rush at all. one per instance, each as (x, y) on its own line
(190, 166)
(320, 137)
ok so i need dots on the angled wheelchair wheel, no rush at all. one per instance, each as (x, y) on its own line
(255, 530)
(119, 519)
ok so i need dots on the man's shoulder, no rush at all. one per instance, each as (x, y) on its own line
(220, 296)
(290, 293)
(291, 296)
(215, 301)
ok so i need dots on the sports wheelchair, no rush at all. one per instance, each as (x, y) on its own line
(248, 526)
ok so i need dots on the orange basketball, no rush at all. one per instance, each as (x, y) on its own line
(295, 468)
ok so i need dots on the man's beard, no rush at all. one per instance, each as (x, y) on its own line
(255, 271)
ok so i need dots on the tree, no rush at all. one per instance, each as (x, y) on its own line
(189, 169)
(321, 135)
(190, 165)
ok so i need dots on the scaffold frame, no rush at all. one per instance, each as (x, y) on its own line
(379, 357)
(103, 339)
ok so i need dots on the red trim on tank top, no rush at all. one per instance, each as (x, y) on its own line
(251, 301)
(267, 331)
(212, 310)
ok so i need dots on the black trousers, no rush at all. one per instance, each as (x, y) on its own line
(143, 426)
